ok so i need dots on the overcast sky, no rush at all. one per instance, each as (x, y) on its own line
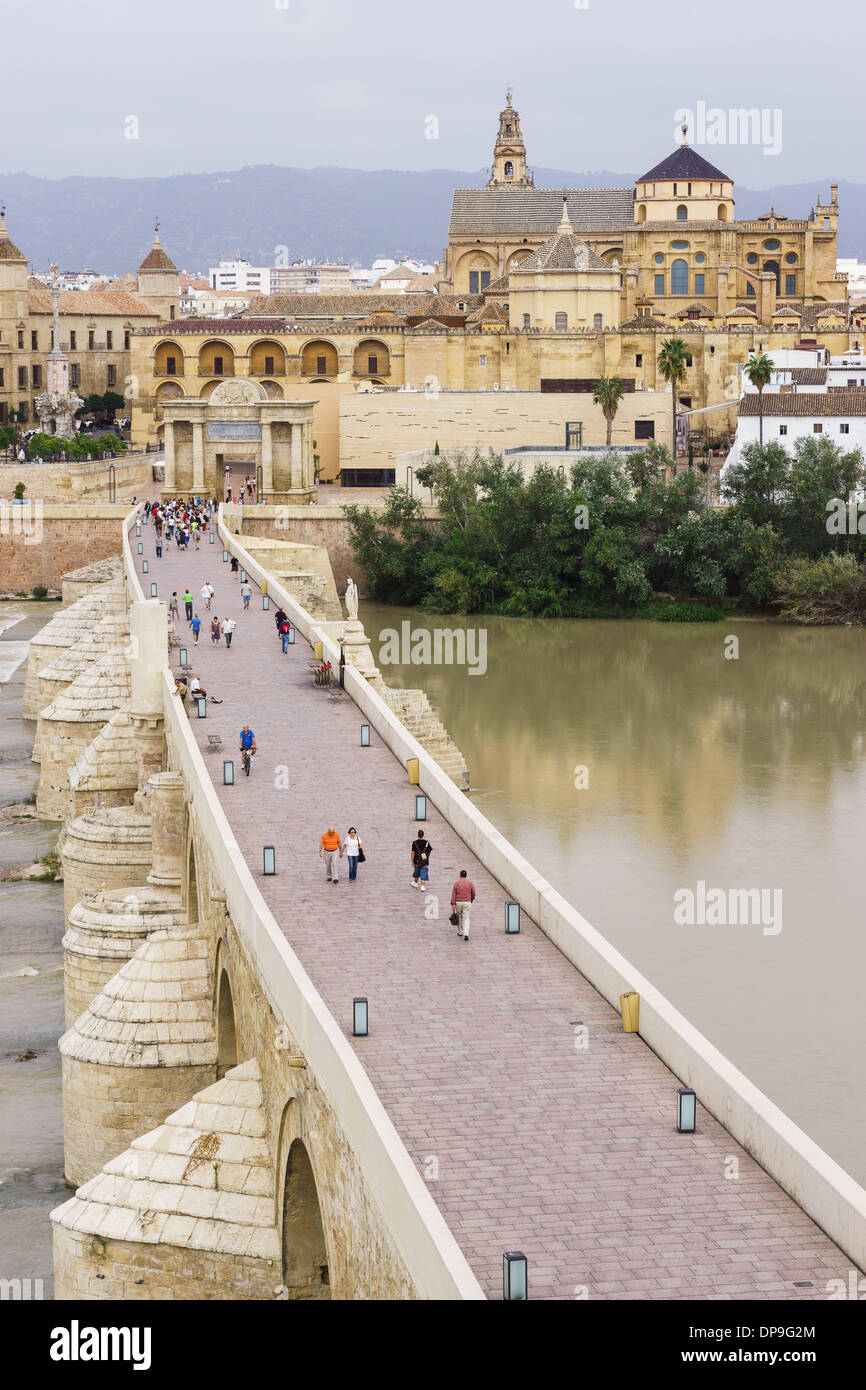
(218, 84)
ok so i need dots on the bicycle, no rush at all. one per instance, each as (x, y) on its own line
(247, 759)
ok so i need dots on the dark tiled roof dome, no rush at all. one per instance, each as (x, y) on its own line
(8, 250)
(156, 258)
(684, 163)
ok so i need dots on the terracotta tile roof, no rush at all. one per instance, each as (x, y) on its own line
(700, 309)
(787, 311)
(429, 326)
(742, 310)
(813, 312)
(156, 258)
(488, 313)
(564, 251)
(8, 250)
(212, 327)
(805, 404)
(644, 321)
(87, 303)
(809, 376)
(498, 286)
(536, 211)
(381, 319)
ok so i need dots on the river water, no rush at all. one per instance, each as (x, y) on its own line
(744, 771)
(31, 988)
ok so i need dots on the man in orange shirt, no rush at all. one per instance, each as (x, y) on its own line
(329, 844)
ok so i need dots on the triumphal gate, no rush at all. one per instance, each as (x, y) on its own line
(239, 425)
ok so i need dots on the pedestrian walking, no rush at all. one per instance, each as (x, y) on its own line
(279, 619)
(354, 852)
(234, 566)
(329, 844)
(215, 632)
(421, 851)
(246, 595)
(187, 603)
(285, 631)
(158, 546)
(196, 629)
(173, 604)
(462, 898)
(229, 626)
(207, 593)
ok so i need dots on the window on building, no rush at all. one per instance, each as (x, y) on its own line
(690, 190)
(845, 429)
(482, 360)
(478, 281)
(659, 284)
(750, 290)
(509, 169)
(783, 429)
(526, 321)
(658, 258)
(22, 378)
(574, 434)
(790, 284)
(91, 339)
(638, 359)
(791, 258)
(73, 338)
(597, 321)
(679, 277)
(751, 259)
(688, 359)
(561, 322)
(126, 341)
(34, 340)
(2, 376)
(37, 375)
(171, 311)
(112, 376)
(818, 429)
(700, 258)
(682, 213)
(218, 366)
(109, 339)
(74, 374)
(373, 364)
(2, 412)
(20, 338)
(322, 366)
(644, 429)
(675, 190)
(700, 283)
(269, 366)
(171, 366)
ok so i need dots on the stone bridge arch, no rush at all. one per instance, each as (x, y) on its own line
(224, 1014)
(306, 1258)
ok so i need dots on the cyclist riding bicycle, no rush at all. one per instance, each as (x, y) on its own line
(247, 746)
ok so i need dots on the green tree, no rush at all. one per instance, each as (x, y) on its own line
(112, 402)
(759, 370)
(94, 404)
(757, 482)
(608, 393)
(671, 363)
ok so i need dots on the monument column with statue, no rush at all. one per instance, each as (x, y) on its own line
(57, 404)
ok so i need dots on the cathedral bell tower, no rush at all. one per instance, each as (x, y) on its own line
(509, 155)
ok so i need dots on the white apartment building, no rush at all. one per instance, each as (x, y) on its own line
(240, 275)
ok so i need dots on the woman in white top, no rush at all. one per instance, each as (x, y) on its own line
(353, 852)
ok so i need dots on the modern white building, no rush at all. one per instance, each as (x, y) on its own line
(838, 414)
(240, 275)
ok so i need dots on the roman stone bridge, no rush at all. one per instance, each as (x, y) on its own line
(228, 1136)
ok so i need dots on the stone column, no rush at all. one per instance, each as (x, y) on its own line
(722, 301)
(767, 297)
(198, 456)
(148, 646)
(170, 481)
(166, 810)
(267, 458)
(297, 482)
(631, 277)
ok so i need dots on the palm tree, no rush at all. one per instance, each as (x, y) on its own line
(759, 370)
(608, 393)
(672, 365)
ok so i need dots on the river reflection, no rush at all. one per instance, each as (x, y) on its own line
(746, 773)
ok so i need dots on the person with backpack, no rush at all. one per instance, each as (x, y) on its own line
(285, 630)
(421, 851)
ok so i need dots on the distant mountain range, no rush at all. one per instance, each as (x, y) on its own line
(342, 214)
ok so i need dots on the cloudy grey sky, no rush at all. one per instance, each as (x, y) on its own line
(218, 84)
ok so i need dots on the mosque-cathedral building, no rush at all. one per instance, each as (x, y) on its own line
(542, 291)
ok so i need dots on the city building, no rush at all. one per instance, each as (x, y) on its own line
(240, 275)
(96, 328)
(311, 277)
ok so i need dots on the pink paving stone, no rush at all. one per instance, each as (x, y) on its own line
(471, 1045)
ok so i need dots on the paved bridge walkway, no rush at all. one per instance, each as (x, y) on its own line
(525, 1141)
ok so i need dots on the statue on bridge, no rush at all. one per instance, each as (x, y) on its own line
(352, 600)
